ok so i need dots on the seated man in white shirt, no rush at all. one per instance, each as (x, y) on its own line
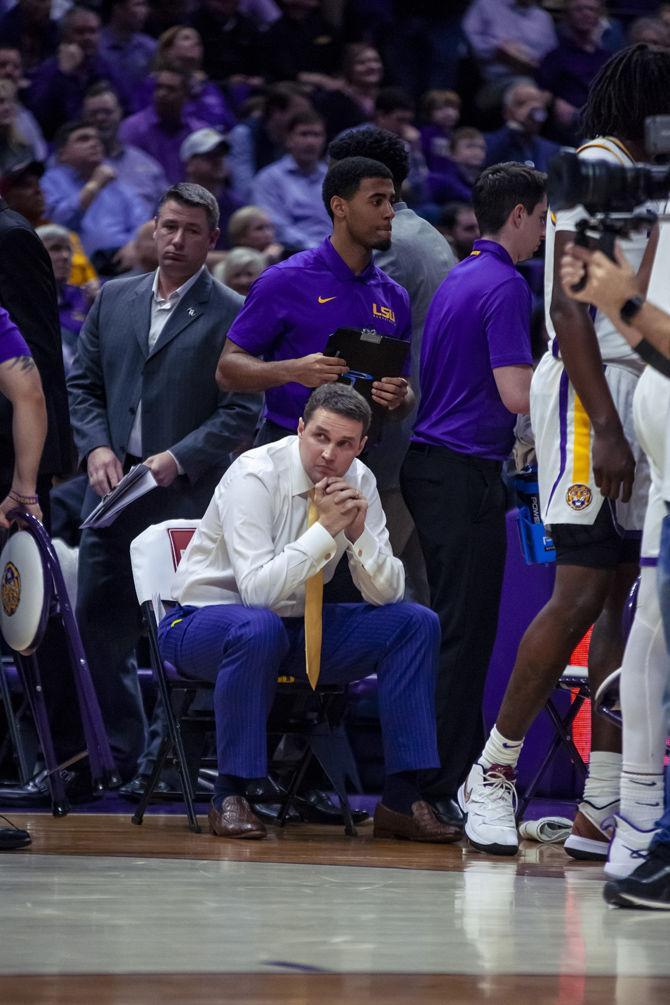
(249, 584)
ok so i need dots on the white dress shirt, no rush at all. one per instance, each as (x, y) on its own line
(253, 546)
(162, 309)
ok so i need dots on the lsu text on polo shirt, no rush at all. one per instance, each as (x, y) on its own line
(294, 306)
(479, 320)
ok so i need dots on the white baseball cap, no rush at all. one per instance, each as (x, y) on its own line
(203, 141)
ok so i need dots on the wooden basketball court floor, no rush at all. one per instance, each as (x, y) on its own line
(97, 911)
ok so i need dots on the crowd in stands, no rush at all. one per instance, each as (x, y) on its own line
(105, 104)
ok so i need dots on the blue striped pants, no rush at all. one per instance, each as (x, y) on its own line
(243, 650)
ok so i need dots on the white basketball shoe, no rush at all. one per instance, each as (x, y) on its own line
(628, 849)
(488, 800)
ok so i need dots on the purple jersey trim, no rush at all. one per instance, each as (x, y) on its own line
(563, 427)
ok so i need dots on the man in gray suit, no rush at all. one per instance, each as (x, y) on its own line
(142, 388)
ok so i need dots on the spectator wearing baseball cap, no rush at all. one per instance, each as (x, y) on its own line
(203, 155)
(20, 187)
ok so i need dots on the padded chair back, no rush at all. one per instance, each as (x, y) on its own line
(155, 555)
(33, 592)
(25, 593)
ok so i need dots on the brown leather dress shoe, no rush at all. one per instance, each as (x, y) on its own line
(235, 819)
(419, 825)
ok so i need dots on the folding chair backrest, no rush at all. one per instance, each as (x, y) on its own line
(155, 555)
(25, 592)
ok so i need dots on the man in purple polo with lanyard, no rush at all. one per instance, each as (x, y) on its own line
(476, 366)
(276, 342)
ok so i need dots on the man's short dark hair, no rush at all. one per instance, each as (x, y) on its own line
(451, 211)
(70, 15)
(464, 133)
(393, 99)
(166, 66)
(344, 178)
(279, 97)
(342, 400)
(304, 118)
(101, 87)
(378, 144)
(188, 194)
(65, 131)
(500, 188)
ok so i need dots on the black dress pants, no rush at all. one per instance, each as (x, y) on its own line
(458, 505)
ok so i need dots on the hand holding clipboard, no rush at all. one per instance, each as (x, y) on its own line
(370, 359)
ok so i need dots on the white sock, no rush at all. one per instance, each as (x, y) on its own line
(500, 750)
(644, 672)
(641, 802)
(602, 784)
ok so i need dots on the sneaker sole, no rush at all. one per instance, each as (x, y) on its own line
(616, 898)
(586, 849)
(612, 872)
(493, 849)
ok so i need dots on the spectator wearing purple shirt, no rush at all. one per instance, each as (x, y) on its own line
(182, 46)
(59, 84)
(459, 172)
(134, 168)
(290, 189)
(73, 301)
(476, 366)
(276, 343)
(442, 111)
(161, 128)
(508, 37)
(84, 194)
(568, 70)
(125, 48)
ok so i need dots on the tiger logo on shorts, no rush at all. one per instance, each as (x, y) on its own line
(579, 496)
(10, 590)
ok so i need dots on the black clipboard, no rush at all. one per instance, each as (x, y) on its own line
(369, 356)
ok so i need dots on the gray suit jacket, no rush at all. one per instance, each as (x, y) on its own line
(182, 408)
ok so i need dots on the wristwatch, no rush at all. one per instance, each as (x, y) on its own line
(630, 308)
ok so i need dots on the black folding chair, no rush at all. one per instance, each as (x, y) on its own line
(155, 555)
(575, 680)
(33, 592)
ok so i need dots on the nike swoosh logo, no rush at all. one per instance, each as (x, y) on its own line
(325, 300)
(647, 785)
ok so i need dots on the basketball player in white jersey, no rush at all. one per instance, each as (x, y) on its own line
(581, 412)
(645, 672)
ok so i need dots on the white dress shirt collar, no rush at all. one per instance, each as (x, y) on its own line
(179, 292)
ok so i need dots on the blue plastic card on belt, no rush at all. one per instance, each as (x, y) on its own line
(537, 546)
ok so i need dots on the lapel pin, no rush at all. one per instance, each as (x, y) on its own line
(191, 312)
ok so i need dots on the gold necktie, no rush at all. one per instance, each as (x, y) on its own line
(313, 611)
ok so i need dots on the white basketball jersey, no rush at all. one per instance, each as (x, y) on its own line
(613, 346)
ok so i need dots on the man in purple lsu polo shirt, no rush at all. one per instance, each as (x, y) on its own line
(475, 373)
(276, 343)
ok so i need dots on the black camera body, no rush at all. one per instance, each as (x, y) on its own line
(603, 187)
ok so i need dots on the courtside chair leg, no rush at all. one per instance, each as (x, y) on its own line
(138, 815)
